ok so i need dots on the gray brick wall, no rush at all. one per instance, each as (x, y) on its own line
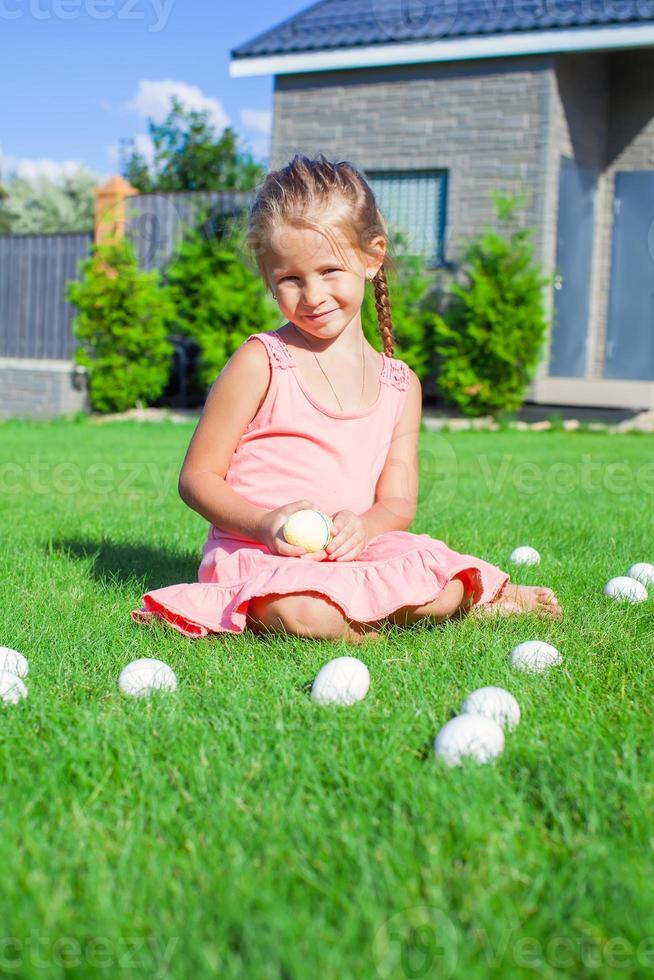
(36, 389)
(484, 121)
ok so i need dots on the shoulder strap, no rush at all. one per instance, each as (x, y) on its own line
(278, 353)
(395, 373)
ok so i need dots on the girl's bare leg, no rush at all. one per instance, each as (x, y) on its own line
(309, 616)
(455, 602)
(442, 607)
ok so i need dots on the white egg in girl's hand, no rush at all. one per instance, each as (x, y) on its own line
(13, 662)
(12, 688)
(643, 572)
(146, 675)
(524, 556)
(469, 736)
(344, 680)
(308, 529)
(535, 656)
(624, 588)
(495, 703)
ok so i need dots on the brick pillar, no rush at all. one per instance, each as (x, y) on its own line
(110, 209)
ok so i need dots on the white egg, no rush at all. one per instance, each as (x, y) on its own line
(12, 688)
(524, 556)
(469, 736)
(535, 656)
(623, 587)
(13, 662)
(141, 677)
(643, 572)
(495, 703)
(344, 680)
(308, 529)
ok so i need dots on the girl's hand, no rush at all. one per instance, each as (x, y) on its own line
(350, 537)
(271, 532)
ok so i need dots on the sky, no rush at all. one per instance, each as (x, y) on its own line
(77, 76)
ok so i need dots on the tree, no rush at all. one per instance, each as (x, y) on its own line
(44, 206)
(188, 156)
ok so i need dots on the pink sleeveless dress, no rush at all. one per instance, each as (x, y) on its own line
(297, 449)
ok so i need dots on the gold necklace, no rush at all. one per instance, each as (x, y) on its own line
(363, 384)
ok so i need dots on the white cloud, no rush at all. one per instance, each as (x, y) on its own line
(30, 169)
(259, 120)
(259, 148)
(144, 145)
(152, 100)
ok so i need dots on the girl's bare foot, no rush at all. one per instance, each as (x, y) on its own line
(514, 600)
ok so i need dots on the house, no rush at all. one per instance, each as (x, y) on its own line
(440, 102)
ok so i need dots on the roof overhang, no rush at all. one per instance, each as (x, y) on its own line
(614, 37)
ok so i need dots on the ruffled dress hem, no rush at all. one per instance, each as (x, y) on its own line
(370, 588)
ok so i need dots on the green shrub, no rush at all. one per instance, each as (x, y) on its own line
(123, 321)
(408, 292)
(219, 300)
(490, 337)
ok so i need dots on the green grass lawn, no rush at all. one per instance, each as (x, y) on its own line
(234, 828)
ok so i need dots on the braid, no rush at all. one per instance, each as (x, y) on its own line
(383, 305)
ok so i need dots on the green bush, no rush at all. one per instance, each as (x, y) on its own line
(219, 301)
(408, 291)
(123, 321)
(490, 336)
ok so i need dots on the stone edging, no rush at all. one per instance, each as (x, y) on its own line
(643, 422)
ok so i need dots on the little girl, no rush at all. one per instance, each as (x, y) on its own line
(312, 416)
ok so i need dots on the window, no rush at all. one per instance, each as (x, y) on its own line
(413, 201)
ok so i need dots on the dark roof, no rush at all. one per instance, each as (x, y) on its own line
(331, 24)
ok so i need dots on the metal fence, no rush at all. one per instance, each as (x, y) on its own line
(156, 223)
(35, 319)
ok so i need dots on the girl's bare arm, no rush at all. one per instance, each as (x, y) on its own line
(232, 403)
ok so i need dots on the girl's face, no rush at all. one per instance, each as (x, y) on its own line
(315, 289)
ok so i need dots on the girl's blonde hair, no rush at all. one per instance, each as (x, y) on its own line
(324, 196)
